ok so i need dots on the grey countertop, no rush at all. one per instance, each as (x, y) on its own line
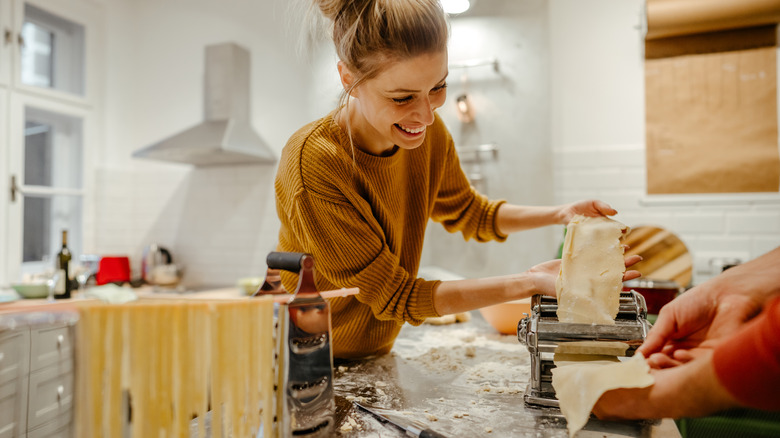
(462, 380)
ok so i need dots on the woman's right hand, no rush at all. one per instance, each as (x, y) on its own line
(545, 274)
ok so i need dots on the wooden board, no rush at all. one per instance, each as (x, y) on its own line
(665, 256)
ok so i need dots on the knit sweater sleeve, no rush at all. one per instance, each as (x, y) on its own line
(351, 251)
(458, 206)
(748, 364)
(324, 214)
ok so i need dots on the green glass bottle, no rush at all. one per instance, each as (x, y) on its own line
(63, 262)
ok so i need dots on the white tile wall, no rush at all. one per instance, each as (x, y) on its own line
(219, 223)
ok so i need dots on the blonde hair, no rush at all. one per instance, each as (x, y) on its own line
(369, 34)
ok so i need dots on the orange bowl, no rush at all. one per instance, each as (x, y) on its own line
(505, 316)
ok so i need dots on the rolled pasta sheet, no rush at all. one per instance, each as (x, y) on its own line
(580, 380)
(175, 361)
(592, 267)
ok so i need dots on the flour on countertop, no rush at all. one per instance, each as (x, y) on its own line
(459, 380)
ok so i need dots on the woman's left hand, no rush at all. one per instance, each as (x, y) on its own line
(590, 207)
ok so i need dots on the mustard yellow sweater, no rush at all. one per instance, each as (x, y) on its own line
(364, 222)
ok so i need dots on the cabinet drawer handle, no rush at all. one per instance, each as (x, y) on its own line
(60, 391)
(60, 341)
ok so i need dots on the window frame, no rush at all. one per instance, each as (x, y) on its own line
(6, 17)
(18, 110)
(15, 96)
(77, 11)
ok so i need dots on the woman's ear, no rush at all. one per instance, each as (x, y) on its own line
(346, 76)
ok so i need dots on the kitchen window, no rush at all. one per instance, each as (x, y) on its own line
(48, 111)
(52, 52)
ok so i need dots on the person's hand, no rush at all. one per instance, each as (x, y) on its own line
(590, 207)
(704, 315)
(544, 274)
(692, 321)
(690, 390)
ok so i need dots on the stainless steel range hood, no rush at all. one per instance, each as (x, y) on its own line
(226, 136)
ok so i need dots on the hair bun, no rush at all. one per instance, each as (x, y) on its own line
(332, 8)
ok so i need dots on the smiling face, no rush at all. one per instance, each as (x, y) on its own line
(395, 107)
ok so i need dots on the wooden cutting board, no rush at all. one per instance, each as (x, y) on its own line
(664, 255)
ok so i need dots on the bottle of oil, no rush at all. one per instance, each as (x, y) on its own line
(63, 262)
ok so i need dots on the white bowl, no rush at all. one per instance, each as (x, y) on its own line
(32, 290)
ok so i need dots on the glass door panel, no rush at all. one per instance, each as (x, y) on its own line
(52, 149)
(52, 183)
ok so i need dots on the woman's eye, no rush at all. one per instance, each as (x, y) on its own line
(402, 99)
(441, 87)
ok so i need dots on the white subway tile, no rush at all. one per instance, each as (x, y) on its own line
(702, 223)
(754, 223)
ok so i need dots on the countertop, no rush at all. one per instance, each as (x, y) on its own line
(462, 380)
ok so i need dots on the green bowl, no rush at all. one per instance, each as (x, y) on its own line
(32, 290)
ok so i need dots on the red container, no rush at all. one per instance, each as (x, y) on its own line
(113, 269)
(656, 292)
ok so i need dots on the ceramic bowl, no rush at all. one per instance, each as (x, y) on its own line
(505, 316)
(31, 290)
(249, 285)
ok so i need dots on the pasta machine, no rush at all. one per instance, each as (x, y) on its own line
(544, 336)
(305, 399)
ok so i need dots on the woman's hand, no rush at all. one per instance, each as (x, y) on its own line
(590, 207)
(545, 274)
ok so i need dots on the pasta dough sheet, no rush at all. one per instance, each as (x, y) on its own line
(176, 360)
(611, 348)
(592, 266)
(579, 381)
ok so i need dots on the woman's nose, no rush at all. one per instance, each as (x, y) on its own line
(425, 108)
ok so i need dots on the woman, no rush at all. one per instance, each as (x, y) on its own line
(356, 188)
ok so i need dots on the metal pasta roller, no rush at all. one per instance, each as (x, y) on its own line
(544, 335)
(305, 402)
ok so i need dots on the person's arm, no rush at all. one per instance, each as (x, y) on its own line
(690, 390)
(463, 295)
(748, 365)
(742, 370)
(513, 218)
(459, 207)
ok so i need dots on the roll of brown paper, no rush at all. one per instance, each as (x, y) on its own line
(668, 18)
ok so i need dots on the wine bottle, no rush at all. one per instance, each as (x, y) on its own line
(63, 262)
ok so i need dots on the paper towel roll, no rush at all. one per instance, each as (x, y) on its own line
(667, 18)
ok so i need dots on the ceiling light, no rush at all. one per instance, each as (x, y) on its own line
(455, 6)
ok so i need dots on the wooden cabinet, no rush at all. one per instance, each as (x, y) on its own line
(37, 374)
